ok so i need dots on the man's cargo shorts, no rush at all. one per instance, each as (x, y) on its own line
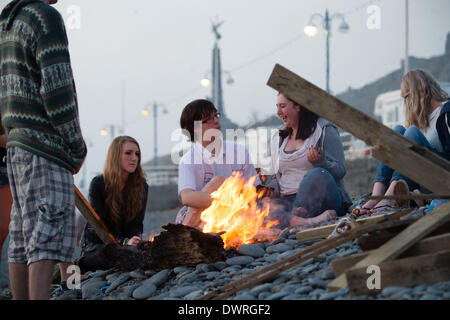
(43, 213)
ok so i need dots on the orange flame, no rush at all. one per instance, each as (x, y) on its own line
(235, 212)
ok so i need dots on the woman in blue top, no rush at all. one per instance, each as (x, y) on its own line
(427, 123)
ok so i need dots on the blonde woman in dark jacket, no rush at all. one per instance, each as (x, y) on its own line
(427, 112)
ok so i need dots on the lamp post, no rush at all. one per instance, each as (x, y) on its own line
(112, 131)
(145, 112)
(311, 30)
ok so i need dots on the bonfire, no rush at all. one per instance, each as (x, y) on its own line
(238, 213)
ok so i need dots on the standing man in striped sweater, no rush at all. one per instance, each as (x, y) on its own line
(45, 146)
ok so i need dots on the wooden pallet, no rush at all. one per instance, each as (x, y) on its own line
(404, 260)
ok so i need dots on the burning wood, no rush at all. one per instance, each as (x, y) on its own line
(236, 211)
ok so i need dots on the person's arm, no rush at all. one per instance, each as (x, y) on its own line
(195, 199)
(136, 226)
(58, 88)
(332, 158)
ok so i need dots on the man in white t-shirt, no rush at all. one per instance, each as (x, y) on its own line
(211, 160)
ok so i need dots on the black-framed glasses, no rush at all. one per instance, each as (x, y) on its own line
(211, 119)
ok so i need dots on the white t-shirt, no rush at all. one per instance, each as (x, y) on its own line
(431, 132)
(293, 166)
(198, 166)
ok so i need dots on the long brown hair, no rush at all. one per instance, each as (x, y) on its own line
(418, 88)
(307, 122)
(126, 204)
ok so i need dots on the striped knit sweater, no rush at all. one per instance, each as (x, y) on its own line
(37, 91)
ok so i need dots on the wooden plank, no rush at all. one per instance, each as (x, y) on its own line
(399, 244)
(425, 246)
(93, 219)
(324, 231)
(389, 146)
(377, 239)
(408, 272)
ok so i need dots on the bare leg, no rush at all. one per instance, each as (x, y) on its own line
(193, 215)
(41, 273)
(63, 270)
(397, 187)
(18, 279)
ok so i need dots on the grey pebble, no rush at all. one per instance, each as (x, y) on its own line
(303, 290)
(126, 292)
(272, 258)
(394, 290)
(277, 296)
(429, 296)
(137, 274)
(92, 289)
(282, 247)
(187, 278)
(317, 292)
(286, 254)
(260, 288)
(159, 278)
(145, 291)
(318, 283)
(263, 295)
(183, 291)
(193, 295)
(310, 268)
(179, 270)
(253, 250)
(124, 277)
(244, 296)
(330, 295)
(220, 265)
(239, 260)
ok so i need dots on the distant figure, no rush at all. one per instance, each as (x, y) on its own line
(119, 197)
(208, 163)
(309, 165)
(45, 146)
(428, 123)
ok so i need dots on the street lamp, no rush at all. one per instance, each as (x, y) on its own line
(311, 30)
(145, 112)
(112, 131)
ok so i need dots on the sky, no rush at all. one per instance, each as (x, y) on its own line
(126, 55)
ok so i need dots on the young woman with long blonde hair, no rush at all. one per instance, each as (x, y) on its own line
(427, 113)
(119, 197)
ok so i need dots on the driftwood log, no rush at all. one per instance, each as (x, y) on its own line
(178, 245)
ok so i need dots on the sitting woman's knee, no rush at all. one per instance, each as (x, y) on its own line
(400, 129)
(317, 172)
(413, 133)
